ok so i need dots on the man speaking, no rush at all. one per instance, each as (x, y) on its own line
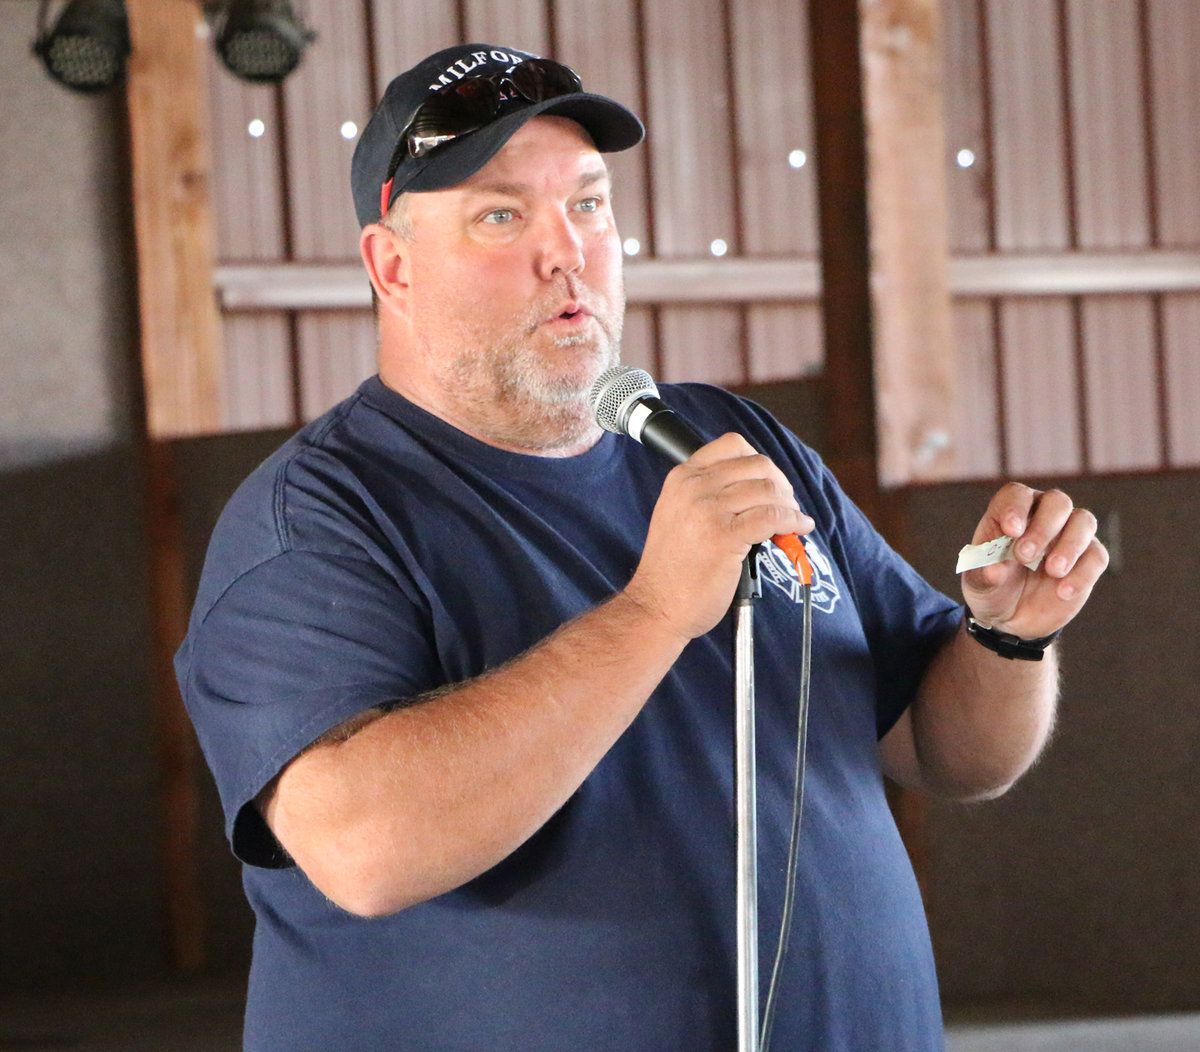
(461, 665)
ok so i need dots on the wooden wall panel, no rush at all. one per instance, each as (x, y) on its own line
(1032, 212)
(600, 42)
(250, 216)
(1173, 31)
(1111, 209)
(637, 342)
(690, 121)
(1108, 128)
(784, 342)
(1120, 384)
(403, 33)
(772, 106)
(247, 188)
(1041, 434)
(337, 352)
(1181, 323)
(1069, 155)
(1174, 38)
(330, 87)
(259, 382)
(701, 343)
(510, 23)
(978, 426)
(964, 76)
(1028, 132)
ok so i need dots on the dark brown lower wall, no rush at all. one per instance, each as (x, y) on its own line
(1080, 889)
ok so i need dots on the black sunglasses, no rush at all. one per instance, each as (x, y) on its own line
(467, 105)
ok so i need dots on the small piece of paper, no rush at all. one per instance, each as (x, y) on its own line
(996, 550)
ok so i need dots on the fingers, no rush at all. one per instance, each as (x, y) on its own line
(712, 509)
(1084, 572)
(743, 490)
(1049, 527)
(1053, 536)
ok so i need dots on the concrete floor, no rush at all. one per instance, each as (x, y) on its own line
(191, 1017)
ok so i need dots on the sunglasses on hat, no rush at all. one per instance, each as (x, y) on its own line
(467, 105)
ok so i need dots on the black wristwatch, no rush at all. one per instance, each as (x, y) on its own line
(1006, 644)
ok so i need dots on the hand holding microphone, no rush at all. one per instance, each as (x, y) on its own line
(723, 498)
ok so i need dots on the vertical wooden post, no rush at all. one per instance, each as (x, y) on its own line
(885, 291)
(910, 283)
(175, 741)
(846, 304)
(181, 369)
(884, 245)
(170, 148)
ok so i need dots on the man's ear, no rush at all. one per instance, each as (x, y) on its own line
(385, 256)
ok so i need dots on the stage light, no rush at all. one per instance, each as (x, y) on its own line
(262, 40)
(87, 48)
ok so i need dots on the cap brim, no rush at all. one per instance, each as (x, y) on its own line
(611, 126)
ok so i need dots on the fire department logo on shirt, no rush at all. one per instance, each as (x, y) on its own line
(775, 567)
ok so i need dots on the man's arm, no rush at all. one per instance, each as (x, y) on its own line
(409, 804)
(980, 720)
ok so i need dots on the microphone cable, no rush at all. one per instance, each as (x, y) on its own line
(789, 894)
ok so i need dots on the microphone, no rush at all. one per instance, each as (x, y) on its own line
(625, 401)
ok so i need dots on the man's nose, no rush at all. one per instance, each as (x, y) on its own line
(561, 248)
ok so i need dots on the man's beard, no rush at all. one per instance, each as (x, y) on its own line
(524, 392)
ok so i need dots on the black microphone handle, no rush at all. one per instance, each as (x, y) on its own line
(674, 438)
(668, 434)
(671, 436)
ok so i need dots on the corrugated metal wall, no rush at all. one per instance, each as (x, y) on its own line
(1080, 120)
(1078, 116)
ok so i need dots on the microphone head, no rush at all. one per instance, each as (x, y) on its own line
(615, 393)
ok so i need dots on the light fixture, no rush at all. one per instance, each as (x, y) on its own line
(262, 40)
(87, 48)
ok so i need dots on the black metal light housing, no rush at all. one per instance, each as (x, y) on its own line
(262, 40)
(87, 48)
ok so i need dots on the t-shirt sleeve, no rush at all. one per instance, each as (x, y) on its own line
(292, 648)
(904, 618)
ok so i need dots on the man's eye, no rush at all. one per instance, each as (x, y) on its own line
(499, 215)
(589, 204)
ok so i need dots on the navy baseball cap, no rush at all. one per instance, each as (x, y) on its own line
(377, 179)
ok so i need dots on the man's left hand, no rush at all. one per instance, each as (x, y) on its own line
(1010, 597)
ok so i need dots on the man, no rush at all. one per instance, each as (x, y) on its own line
(461, 665)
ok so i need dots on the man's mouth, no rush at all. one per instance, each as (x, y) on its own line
(570, 311)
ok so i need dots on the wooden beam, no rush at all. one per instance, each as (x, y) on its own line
(846, 304)
(326, 286)
(1075, 273)
(914, 346)
(180, 359)
(336, 286)
(170, 149)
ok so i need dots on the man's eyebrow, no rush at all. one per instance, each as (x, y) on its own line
(588, 178)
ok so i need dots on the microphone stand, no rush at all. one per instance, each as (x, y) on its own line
(749, 588)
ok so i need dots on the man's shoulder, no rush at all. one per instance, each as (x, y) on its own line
(714, 410)
(295, 485)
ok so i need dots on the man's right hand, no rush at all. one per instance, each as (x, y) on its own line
(713, 508)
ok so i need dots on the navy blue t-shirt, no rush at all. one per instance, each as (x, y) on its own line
(381, 553)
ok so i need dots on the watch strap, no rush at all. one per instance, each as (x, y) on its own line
(1005, 643)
